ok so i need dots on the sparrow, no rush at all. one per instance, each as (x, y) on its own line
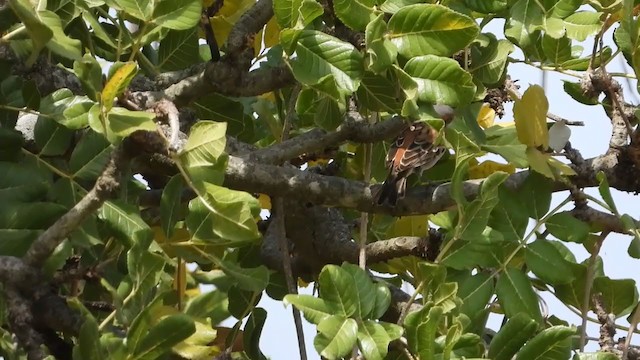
(414, 150)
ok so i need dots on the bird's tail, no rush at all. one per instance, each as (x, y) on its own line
(392, 189)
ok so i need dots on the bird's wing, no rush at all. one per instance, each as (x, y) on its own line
(414, 148)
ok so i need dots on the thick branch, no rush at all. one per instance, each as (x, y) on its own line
(317, 140)
(222, 77)
(250, 23)
(600, 219)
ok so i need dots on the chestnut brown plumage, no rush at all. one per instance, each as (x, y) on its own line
(414, 150)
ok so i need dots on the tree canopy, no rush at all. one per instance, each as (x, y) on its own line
(148, 148)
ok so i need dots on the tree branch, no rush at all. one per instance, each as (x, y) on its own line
(317, 140)
(105, 187)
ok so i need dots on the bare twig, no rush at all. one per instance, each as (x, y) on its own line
(279, 222)
(591, 270)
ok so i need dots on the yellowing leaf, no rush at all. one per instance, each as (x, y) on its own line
(530, 114)
(117, 83)
(268, 96)
(272, 33)
(222, 26)
(234, 9)
(265, 201)
(487, 168)
(563, 168)
(409, 226)
(319, 162)
(486, 116)
(539, 162)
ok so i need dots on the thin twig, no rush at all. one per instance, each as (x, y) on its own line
(278, 208)
(635, 319)
(591, 271)
(555, 117)
(405, 310)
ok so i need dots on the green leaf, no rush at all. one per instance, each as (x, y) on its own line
(223, 217)
(88, 345)
(177, 15)
(170, 205)
(314, 309)
(11, 142)
(252, 332)
(516, 295)
(89, 73)
(365, 290)
(475, 216)
(67, 109)
(336, 336)
(39, 33)
(164, 335)
(551, 343)
(382, 51)
(382, 301)
(223, 109)
(421, 329)
(421, 29)
(123, 122)
(212, 304)
(251, 279)
(557, 51)
(320, 55)
(475, 292)
(373, 340)
(139, 9)
(60, 43)
(565, 227)
(309, 11)
(605, 191)
(178, 50)
(563, 8)
(356, 14)
(619, 295)
(89, 156)
(124, 219)
(535, 195)
(488, 63)
(393, 6)
(546, 261)
(441, 80)
(575, 91)
(525, 17)
(374, 94)
(486, 6)
(23, 182)
(515, 333)
(338, 290)
(582, 24)
(242, 302)
(203, 155)
(286, 12)
(52, 138)
(509, 217)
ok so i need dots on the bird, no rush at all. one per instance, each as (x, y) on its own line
(414, 150)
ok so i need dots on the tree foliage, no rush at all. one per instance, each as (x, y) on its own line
(260, 131)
